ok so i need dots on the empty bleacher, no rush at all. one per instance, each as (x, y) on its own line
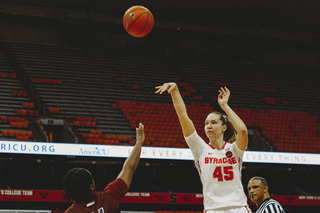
(269, 86)
(16, 107)
(105, 96)
(282, 102)
(72, 84)
(163, 128)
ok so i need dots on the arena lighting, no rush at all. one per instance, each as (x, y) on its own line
(164, 153)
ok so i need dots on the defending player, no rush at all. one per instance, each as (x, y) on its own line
(79, 184)
(258, 190)
(218, 162)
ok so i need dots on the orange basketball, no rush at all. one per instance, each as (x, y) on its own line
(138, 21)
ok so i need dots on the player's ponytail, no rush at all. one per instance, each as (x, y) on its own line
(230, 133)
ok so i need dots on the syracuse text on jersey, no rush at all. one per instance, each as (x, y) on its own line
(224, 160)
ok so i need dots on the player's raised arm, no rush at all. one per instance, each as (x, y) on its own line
(238, 124)
(131, 163)
(178, 103)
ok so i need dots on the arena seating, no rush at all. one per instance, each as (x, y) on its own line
(72, 84)
(268, 97)
(289, 132)
(16, 107)
(261, 86)
(105, 96)
(162, 125)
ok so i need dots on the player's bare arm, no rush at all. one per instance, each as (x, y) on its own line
(239, 125)
(179, 106)
(131, 163)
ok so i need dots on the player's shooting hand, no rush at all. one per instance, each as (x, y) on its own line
(223, 97)
(140, 137)
(169, 87)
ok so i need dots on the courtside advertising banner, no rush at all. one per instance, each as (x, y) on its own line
(91, 150)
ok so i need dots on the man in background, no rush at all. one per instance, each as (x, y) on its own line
(258, 190)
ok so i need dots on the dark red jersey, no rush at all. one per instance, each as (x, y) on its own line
(102, 202)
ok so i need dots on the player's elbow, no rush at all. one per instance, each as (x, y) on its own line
(129, 169)
(126, 175)
(243, 131)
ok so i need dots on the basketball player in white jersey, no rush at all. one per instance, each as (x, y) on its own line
(219, 162)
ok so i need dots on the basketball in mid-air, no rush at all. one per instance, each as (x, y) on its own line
(138, 21)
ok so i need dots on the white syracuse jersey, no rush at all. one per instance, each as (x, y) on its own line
(220, 173)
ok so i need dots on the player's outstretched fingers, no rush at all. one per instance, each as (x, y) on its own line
(158, 88)
(162, 89)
